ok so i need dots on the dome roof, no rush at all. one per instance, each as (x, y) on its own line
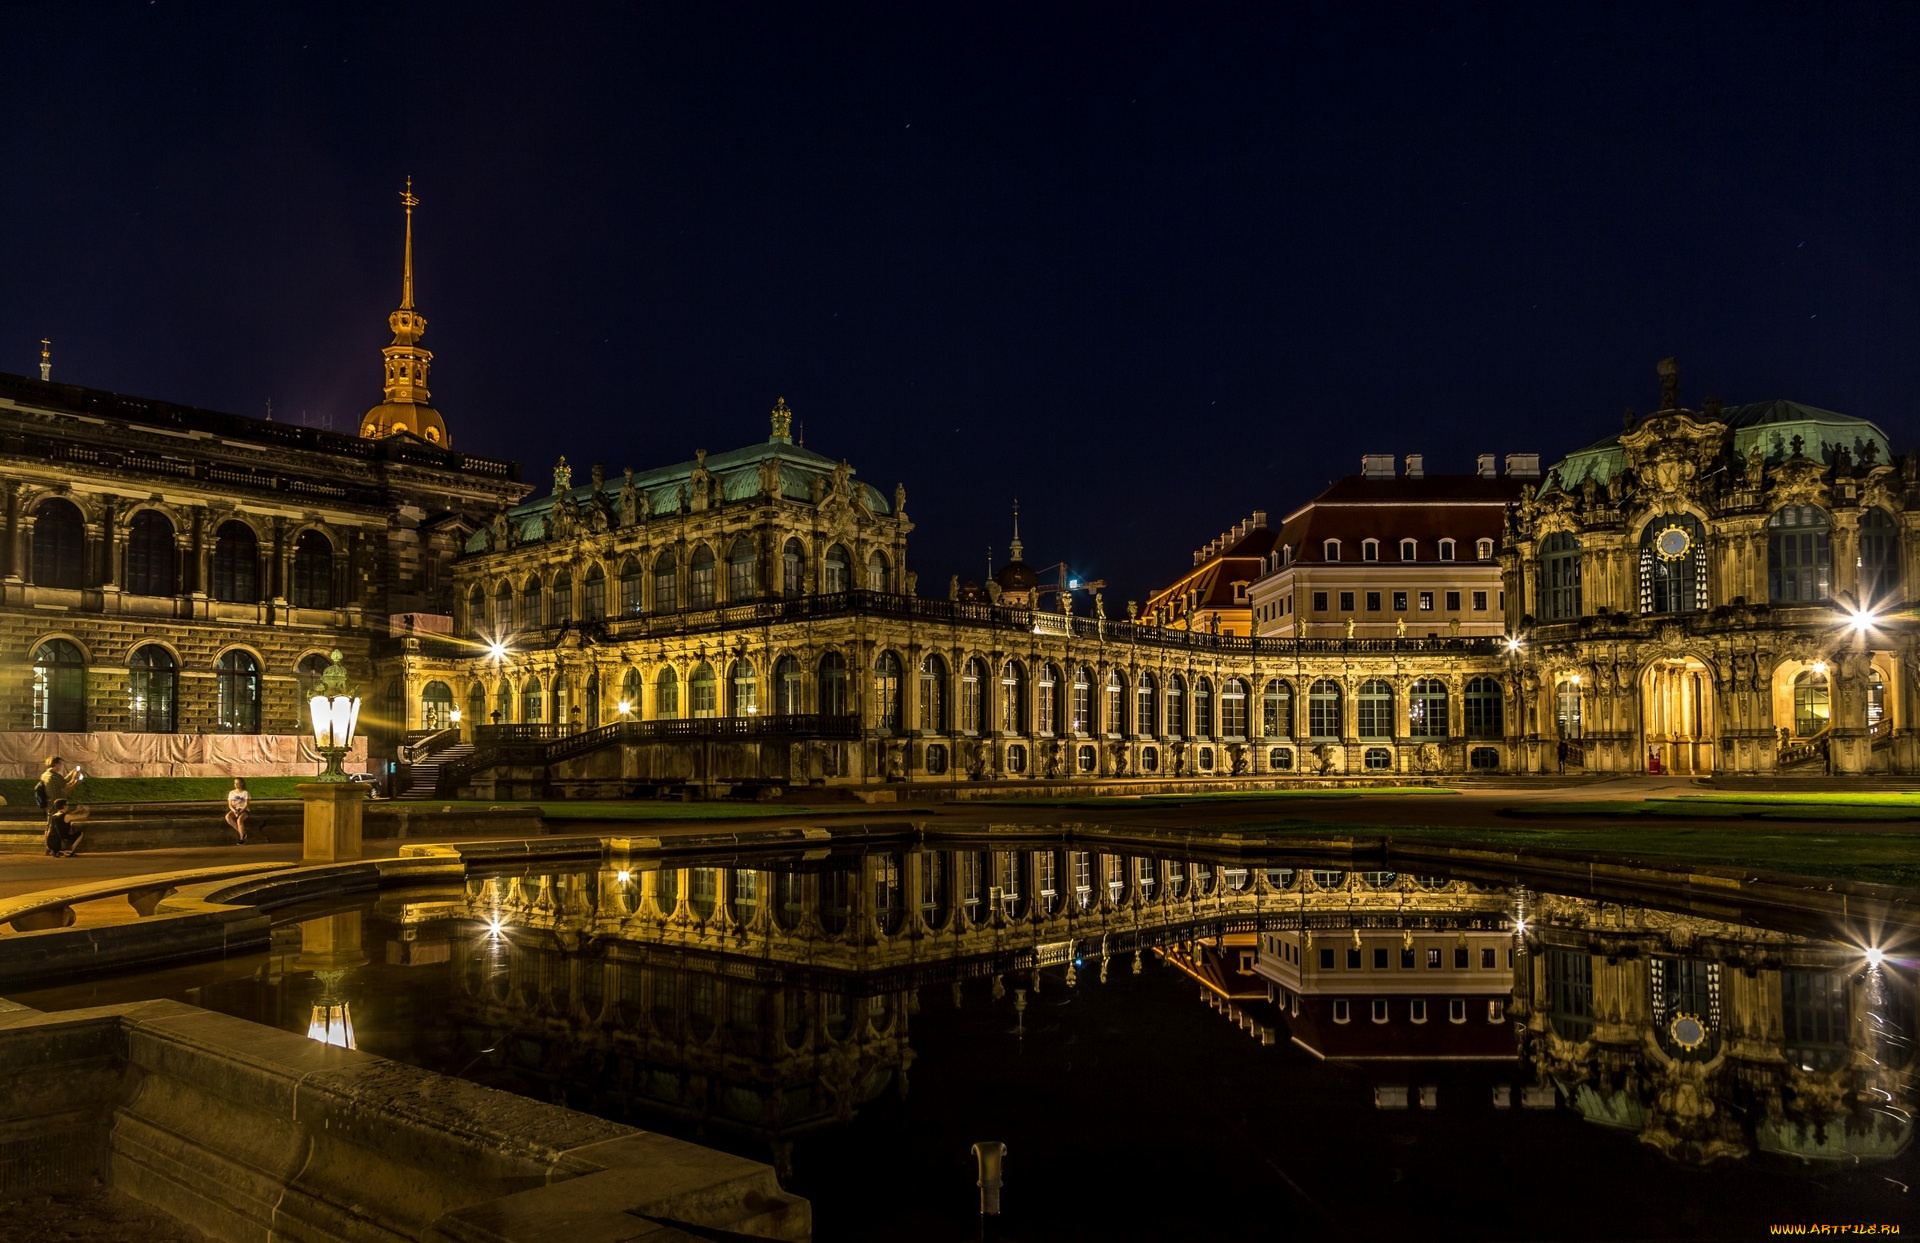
(1016, 576)
(391, 417)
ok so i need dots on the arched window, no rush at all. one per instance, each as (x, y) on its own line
(1483, 549)
(1876, 698)
(436, 706)
(631, 693)
(834, 699)
(1409, 550)
(632, 588)
(562, 602)
(666, 582)
(1323, 711)
(593, 603)
(1330, 549)
(1080, 710)
(313, 571)
(1113, 712)
(1483, 707)
(839, 569)
(1799, 555)
(1233, 709)
(886, 691)
(1673, 565)
(1047, 700)
(503, 607)
(153, 690)
(530, 610)
(793, 569)
(786, 687)
(1812, 703)
(666, 695)
(1559, 577)
(1276, 710)
(1369, 550)
(1879, 558)
(236, 564)
(1013, 698)
(701, 579)
(476, 609)
(306, 677)
(702, 692)
(59, 687)
(1202, 708)
(533, 701)
(1176, 706)
(150, 557)
(503, 703)
(742, 571)
(877, 572)
(1566, 708)
(476, 705)
(1375, 704)
(744, 692)
(1144, 715)
(973, 684)
(1427, 709)
(1446, 549)
(933, 695)
(59, 544)
(237, 690)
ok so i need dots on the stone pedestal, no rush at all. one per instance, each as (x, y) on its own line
(333, 814)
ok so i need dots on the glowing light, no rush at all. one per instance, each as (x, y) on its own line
(1576, 679)
(454, 716)
(1513, 644)
(496, 649)
(1819, 666)
(626, 707)
(1520, 926)
(1862, 620)
(623, 876)
(1875, 956)
(331, 1023)
(494, 925)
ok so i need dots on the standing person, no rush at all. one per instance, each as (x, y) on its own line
(63, 832)
(237, 801)
(54, 785)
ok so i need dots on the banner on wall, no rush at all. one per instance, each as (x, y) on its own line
(24, 754)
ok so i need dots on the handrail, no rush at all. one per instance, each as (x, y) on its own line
(537, 744)
(439, 740)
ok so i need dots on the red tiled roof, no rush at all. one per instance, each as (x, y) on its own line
(1465, 508)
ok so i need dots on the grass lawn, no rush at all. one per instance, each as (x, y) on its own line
(1208, 796)
(1730, 807)
(1887, 857)
(1788, 798)
(18, 791)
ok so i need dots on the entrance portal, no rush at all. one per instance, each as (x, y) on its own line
(1677, 716)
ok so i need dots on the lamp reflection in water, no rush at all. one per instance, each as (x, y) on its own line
(330, 949)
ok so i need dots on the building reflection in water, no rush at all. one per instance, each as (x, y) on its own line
(772, 1000)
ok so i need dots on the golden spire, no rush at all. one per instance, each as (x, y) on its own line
(406, 279)
(46, 359)
(1014, 550)
(782, 423)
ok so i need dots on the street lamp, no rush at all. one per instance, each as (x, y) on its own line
(334, 711)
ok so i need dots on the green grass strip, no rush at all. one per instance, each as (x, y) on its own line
(18, 791)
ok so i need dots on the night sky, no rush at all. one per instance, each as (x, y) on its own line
(1148, 269)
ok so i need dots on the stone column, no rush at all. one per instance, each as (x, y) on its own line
(333, 811)
(12, 563)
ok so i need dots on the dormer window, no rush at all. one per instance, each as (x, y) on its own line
(1370, 550)
(1408, 551)
(1446, 550)
(1286, 554)
(1483, 549)
(1332, 549)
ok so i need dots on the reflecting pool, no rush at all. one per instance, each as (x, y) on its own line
(1170, 1046)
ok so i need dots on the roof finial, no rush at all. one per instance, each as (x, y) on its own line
(406, 279)
(46, 359)
(782, 423)
(1669, 384)
(1014, 551)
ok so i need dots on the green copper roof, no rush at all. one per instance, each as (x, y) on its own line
(1770, 424)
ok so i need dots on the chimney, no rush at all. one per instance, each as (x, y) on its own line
(1259, 519)
(1376, 466)
(1523, 465)
(1416, 465)
(1486, 466)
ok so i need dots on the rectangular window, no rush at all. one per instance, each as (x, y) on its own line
(1459, 958)
(1417, 1009)
(1326, 960)
(1486, 958)
(1319, 601)
(1456, 1010)
(1406, 960)
(1380, 960)
(1346, 602)
(1373, 602)
(1340, 1012)
(1453, 602)
(1426, 602)
(1379, 1009)
(1496, 1010)
(1479, 601)
(1353, 960)
(1399, 601)
(1433, 958)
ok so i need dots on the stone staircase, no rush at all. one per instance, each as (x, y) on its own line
(423, 780)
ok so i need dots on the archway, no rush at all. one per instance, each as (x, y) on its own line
(1677, 717)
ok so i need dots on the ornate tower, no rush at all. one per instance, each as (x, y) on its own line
(405, 408)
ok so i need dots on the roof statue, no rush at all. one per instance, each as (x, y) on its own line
(562, 475)
(1669, 369)
(405, 409)
(782, 423)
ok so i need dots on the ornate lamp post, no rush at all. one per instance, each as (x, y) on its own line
(334, 710)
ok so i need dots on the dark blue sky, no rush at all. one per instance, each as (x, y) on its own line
(1147, 268)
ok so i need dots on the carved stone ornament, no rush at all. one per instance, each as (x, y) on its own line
(1672, 637)
(1671, 452)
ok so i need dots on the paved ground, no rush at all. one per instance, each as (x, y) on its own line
(91, 1214)
(1477, 804)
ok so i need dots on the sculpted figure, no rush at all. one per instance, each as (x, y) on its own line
(817, 489)
(899, 500)
(953, 587)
